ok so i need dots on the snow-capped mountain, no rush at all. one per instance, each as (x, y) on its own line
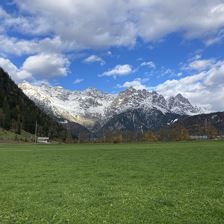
(84, 107)
(181, 105)
(93, 109)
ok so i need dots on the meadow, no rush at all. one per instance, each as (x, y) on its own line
(123, 183)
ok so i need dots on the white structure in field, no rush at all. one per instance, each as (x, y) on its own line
(199, 137)
(43, 140)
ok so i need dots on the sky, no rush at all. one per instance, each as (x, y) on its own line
(166, 46)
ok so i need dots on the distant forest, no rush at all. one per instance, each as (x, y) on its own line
(18, 112)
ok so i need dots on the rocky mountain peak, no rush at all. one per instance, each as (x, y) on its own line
(179, 97)
(182, 105)
(91, 90)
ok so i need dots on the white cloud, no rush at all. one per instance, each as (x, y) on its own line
(15, 73)
(97, 24)
(137, 84)
(215, 39)
(77, 81)
(38, 67)
(9, 45)
(94, 58)
(18, 47)
(149, 64)
(46, 65)
(205, 88)
(24, 24)
(118, 70)
(200, 65)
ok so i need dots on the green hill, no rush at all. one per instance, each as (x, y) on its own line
(10, 136)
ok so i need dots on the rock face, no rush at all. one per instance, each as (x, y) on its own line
(129, 109)
(181, 105)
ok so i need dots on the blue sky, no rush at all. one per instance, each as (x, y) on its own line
(169, 47)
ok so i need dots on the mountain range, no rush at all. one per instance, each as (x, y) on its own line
(99, 112)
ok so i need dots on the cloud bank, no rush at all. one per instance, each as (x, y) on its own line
(203, 88)
(42, 66)
(97, 24)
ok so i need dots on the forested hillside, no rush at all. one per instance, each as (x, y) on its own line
(211, 124)
(18, 112)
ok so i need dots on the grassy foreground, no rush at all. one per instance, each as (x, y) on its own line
(145, 183)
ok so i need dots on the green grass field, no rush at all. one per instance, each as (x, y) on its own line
(138, 183)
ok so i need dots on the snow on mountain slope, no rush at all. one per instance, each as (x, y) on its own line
(181, 105)
(84, 107)
(92, 108)
(133, 99)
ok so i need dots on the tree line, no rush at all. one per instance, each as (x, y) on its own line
(177, 133)
(18, 112)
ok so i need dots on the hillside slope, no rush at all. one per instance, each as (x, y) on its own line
(138, 120)
(203, 124)
(18, 112)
